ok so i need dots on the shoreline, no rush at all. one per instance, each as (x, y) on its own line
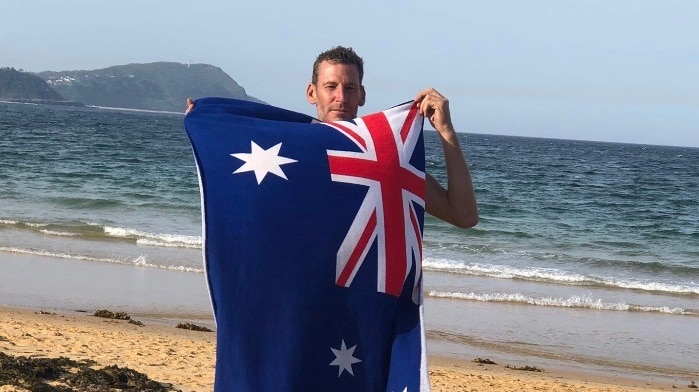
(185, 358)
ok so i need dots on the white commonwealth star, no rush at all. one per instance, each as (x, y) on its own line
(262, 161)
(344, 358)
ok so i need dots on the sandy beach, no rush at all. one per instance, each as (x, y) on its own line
(185, 358)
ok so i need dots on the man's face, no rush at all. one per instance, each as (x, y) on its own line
(338, 93)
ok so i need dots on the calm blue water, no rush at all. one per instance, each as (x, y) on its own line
(572, 233)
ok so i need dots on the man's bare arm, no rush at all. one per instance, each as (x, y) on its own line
(457, 203)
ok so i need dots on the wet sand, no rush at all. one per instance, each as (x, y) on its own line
(186, 358)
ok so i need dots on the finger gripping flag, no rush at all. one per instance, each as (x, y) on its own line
(312, 246)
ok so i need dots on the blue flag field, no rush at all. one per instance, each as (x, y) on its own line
(312, 236)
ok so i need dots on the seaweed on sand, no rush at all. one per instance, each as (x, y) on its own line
(33, 373)
(525, 368)
(193, 327)
(104, 313)
(114, 377)
(65, 375)
(485, 361)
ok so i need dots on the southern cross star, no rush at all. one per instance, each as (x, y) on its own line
(344, 358)
(262, 161)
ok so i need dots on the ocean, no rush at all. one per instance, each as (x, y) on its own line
(586, 254)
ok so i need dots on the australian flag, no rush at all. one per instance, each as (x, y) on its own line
(312, 246)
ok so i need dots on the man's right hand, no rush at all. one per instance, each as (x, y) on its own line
(190, 106)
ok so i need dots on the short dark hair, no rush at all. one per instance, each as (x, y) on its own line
(339, 55)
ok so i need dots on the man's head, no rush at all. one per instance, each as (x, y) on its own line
(336, 85)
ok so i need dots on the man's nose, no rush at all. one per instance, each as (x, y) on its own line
(340, 95)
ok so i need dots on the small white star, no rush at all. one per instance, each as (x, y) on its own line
(262, 161)
(344, 358)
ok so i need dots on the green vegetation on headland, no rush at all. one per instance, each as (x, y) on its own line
(19, 86)
(161, 86)
(154, 86)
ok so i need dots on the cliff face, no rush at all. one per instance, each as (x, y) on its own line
(23, 86)
(152, 86)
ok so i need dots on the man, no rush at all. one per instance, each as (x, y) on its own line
(388, 336)
(337, 92)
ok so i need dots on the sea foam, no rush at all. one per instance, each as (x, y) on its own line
(582, 302)
(552, 275)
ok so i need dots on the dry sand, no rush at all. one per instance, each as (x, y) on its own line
(185, 358)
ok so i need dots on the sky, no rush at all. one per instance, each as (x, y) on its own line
(605, 70)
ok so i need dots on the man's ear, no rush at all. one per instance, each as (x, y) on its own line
(311, 93)
(362, 97)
